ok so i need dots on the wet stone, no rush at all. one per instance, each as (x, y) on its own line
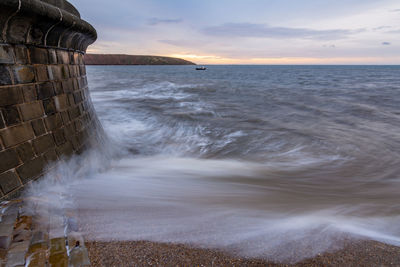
(31, 169)
(10, 95)
(74, 237)
(11, 115)
(45, 90)
(25, 151)
(6, 54)
(29, 92)
(38, 127)
(21, 235)
(24, 74)
(21, 56)
(30, 111)
(24, 222)
(39, 237)
(37, 259)
(8, 159)
(38, 55)
(9, 182)
(5, 77)
(17, 247)
(17, 134)
(79, 257)
(6, 231)
(58, 252)
(52, 56)
(15, 259)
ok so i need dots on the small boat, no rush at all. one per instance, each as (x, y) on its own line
(201, 68)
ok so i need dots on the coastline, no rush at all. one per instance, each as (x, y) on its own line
(145, 253)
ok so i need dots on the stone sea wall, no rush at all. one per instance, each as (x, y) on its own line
(46, 112)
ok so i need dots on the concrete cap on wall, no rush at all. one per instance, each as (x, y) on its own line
(65, 5)
(54, 23)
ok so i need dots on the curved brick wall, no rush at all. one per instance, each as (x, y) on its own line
(45, 109)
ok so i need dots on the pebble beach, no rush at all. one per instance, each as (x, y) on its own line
(144, 253)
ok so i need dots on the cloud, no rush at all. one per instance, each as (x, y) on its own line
(329, 46)
(156, 21)
(382, 28)
(265, 31)
(181, 43)
(385, 43)
(395, 10)
(395, 31)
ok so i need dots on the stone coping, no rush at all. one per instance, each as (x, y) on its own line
(65, 5)
(50, 23)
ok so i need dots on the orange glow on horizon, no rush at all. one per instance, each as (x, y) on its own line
(216, 60)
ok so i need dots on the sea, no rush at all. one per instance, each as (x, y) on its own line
(275, 162)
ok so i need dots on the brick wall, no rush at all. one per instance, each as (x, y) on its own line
(45, 109)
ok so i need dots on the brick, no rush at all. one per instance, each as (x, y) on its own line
(72, 71)
(11, 115)
(74, 113)
(68, 86)
(38, 55)
(79, 126)
(61, 102)
(51, 155)
(9, 181)
(24, 74)
(29, 93)
(6, 54)
(5, 78)
(59, 136)
(31, 169)
(25, 152)
(21, 54)
(53, 122)
(41, 73)
(80, 59)
(38, 127)
(65, 149)
(10, 95)
(45, 90)
(30, 111)
(8, 160)
(82, 69)
(63, 57)
(18, 134)
(71, 99)
(43, 143)
(78, 97)
(58, 88)
(73, 58)
(52, 56)
(2, 123)
(49, 106)
(69, 130)
(55, 72)
(65, 117)
(64, 71)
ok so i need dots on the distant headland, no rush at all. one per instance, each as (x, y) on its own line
(114, 59)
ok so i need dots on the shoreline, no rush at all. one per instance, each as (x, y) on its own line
(146, 253)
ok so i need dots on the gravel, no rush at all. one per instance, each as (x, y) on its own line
(144, 253)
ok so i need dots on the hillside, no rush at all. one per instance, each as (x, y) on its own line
(110, 59)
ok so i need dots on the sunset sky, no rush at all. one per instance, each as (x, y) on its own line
(249, 31)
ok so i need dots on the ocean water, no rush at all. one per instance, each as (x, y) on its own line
(279, 162)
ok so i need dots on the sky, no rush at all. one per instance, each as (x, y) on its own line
(249, 31)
